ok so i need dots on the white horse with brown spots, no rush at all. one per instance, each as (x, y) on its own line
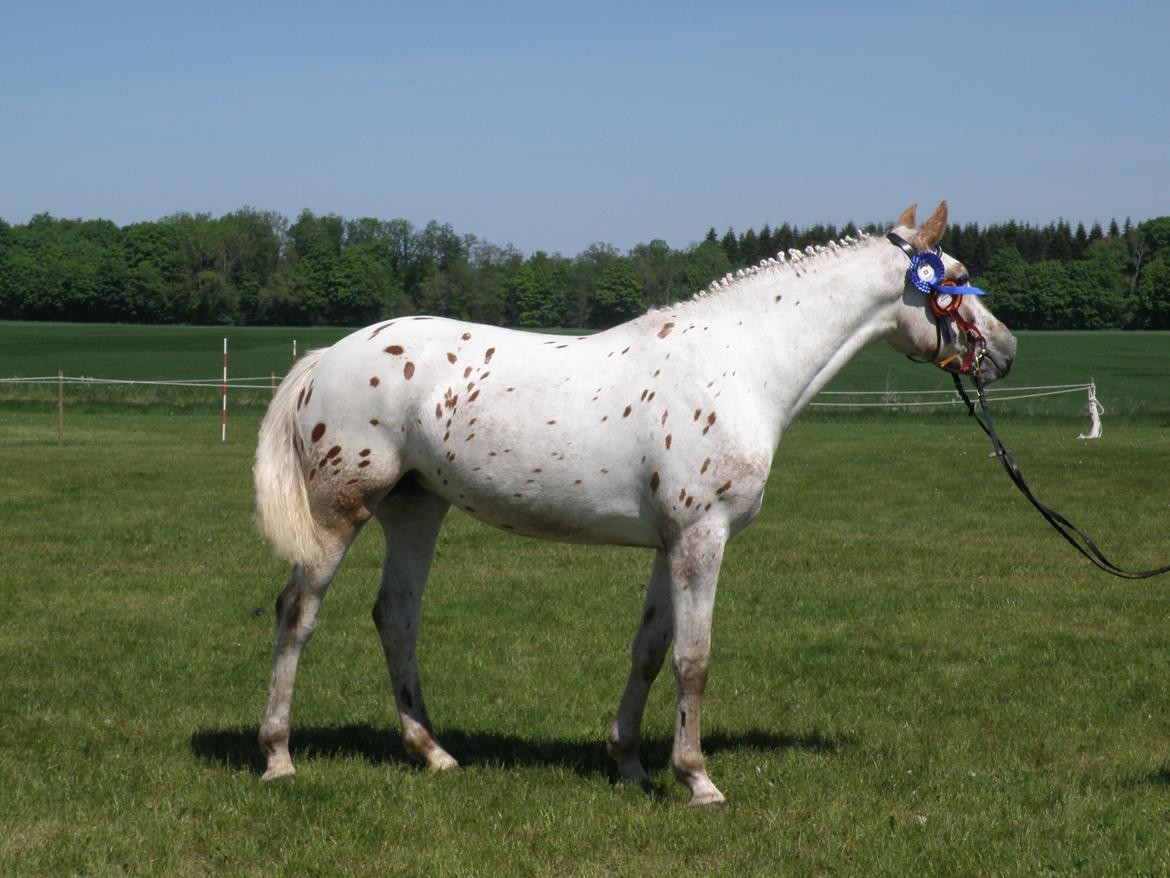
(658, 433)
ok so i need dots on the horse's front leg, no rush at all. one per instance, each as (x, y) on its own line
(694, 570)
(646, 656)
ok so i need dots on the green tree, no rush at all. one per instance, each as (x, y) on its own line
(704, 264)
(534, 295)
(662, 272)
(1152, 308)
(618, 296)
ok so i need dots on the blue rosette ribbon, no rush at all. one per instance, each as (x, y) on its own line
(926, 273)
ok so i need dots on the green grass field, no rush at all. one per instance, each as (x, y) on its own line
(911, 674)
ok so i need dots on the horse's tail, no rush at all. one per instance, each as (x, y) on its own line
(283, 513)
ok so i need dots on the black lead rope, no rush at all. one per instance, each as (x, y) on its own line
(1071, 533)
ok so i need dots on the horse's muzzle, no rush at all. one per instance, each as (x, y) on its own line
(997, 361)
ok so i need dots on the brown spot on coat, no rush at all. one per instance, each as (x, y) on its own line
(723, 489)
(655, 481)
(333, 452)
(394, 349)
(317, 433)
(626, 413)
(710, 423)
(365, 452)
(379, 329)
(697, 413)
(374, 422)
(487, 355)
(706, 463)
(374, 382)
(668, 442)
(451, 358)
(438, 410)
(408, 370)
(363, 463)
(300, 398)
(466, 336)
(665, 330)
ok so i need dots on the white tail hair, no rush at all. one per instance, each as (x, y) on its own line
(282, 503)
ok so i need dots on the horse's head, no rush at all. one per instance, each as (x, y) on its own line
(956, 332)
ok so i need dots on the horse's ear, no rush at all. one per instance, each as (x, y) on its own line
(932, 230)
(906, 220)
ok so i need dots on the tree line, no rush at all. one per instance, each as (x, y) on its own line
(255, 267)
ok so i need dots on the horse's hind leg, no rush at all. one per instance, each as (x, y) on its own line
(411, 518)
(296, 617)
(646, 657)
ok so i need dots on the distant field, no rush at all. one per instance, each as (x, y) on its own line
(1132, 370)
(911, 675)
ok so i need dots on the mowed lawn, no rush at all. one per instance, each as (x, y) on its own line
(911, 674)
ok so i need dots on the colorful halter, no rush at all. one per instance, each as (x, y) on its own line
(927, 275)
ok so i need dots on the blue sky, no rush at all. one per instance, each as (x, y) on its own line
(553, 126)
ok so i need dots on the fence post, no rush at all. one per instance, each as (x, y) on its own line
(60, 408)
(223, 415)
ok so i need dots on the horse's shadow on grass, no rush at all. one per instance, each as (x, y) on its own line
(238, 747)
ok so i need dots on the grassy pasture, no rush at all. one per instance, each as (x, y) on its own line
(911, 674)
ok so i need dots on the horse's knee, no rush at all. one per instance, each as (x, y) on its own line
(691, 673)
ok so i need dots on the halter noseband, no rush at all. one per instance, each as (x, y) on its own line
(927, 275)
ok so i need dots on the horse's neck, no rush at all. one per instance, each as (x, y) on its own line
(796, 326)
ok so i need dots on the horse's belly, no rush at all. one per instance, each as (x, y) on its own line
(548, 509)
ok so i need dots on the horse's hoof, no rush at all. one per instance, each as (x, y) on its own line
(278, 771)
(444, 762)
(715, 803)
